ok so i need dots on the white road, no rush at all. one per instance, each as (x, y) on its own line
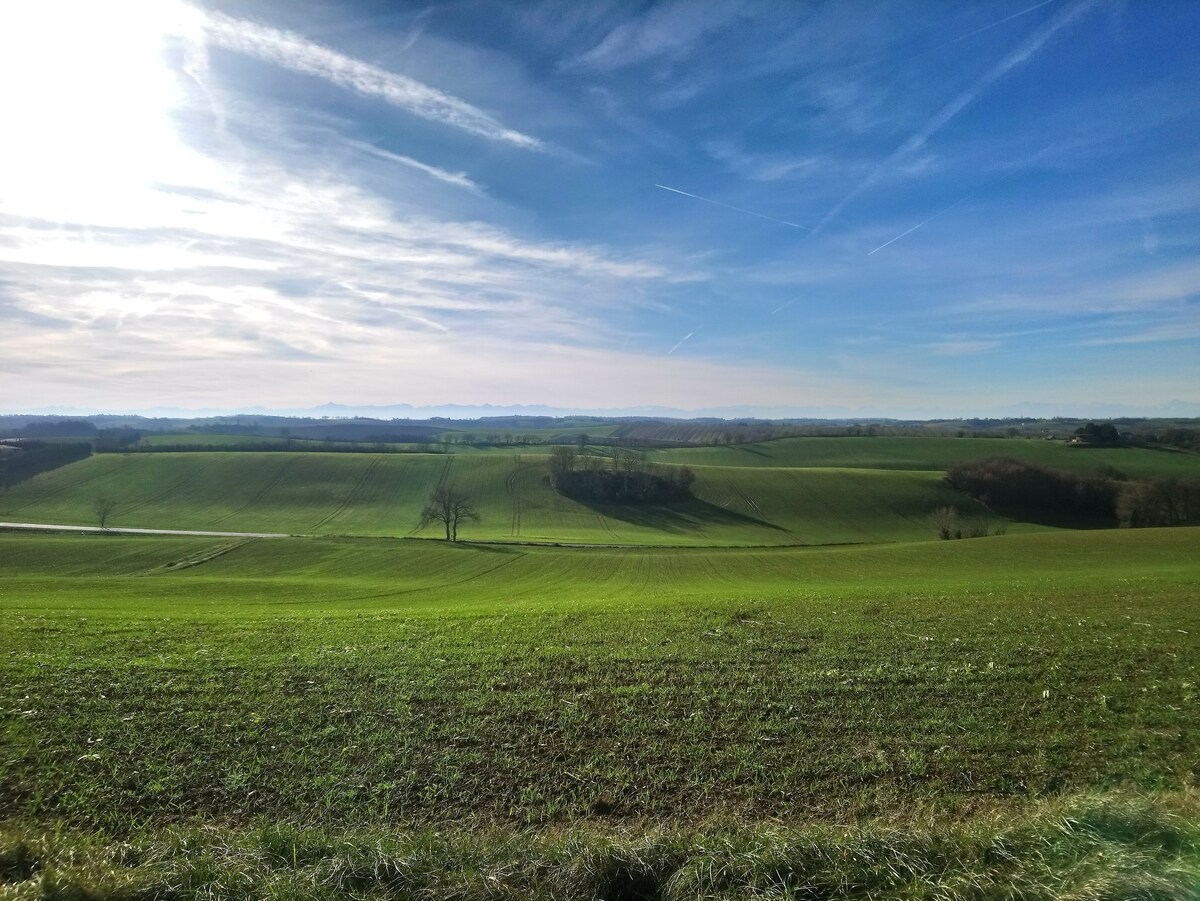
(47, 527)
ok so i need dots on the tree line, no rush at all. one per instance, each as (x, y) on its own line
(1017, 486)
(627, 478)
(33, 457)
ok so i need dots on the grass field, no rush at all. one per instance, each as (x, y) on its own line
(936, 454)
(353, 715)
(382, 494)
(358, 681)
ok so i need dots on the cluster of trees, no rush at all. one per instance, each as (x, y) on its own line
(1017, 486)
(1187, 439)
(1158, 502)
(111, 441)
(1101, 434)
(489, 439)
(33, 457)
(1007, 484)
(63, 428)
(950, 526)
(626, 478)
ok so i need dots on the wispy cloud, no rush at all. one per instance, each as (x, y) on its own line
(298, 54)
(1158, 289)
(458, 179)
(963, 347)
(1178, 329)
(667, 30)
(1025, 51)
(761, 167)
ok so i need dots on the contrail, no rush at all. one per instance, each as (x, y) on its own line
(681, 340)
(736, 209)
(1022, 53)
(782, 307)
(919, 224)
(1001, 22)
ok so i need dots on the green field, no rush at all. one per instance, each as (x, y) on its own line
(340, 679)
(382, 494)
(936, 454)
(357, 713)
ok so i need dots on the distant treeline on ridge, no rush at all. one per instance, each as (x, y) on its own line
(1008, 485)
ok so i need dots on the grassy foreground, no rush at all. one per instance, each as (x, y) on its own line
(1090, 847)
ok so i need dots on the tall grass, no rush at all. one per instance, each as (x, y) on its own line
(1094, 847)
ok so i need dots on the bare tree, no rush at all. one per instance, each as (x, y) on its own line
(562, 461)
(104, 507)
(944, 521)
(451, 508)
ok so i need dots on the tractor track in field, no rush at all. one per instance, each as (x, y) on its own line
(191, 478)
(69, 486)
(445, 471)
(738, 492)
(450, 584)
(357, 487)
(188, 562)
(865, 483)
(608, 530)
(514, 489)
(258, 495)
(836, 514)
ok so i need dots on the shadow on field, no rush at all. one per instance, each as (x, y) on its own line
(1055, 520)
(752, 449)
(687, 516)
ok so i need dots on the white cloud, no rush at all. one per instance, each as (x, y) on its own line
(667, 30)
(1160, 289)
(298, 54)
(963, 347)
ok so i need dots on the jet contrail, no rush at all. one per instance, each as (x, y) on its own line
(736, 209)
(782, 307)
(1001, 22)
(1021, 54)
(681, 340)
(919, 224)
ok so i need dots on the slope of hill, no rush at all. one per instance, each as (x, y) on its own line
(934, 454)
(369, 494)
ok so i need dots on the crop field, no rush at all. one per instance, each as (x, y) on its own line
(359, 684)
(701, 703)
(935, 454)
(382, 494)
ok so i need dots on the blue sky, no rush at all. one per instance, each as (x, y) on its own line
(888, 208)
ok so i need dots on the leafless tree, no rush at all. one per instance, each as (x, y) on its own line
(451, 508)
(104, 508)
(944, 521)
(562, 461)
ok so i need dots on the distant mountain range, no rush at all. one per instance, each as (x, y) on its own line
(1032, 410)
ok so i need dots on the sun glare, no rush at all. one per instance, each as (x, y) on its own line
(86, 97)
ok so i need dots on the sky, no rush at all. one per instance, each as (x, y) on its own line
(911, 209)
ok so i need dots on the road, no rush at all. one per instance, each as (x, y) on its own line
(47, 527)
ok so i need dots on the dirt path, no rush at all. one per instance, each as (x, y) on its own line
(47, 527)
